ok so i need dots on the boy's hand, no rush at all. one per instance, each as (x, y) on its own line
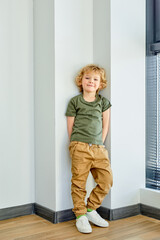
(70, 122)
(105, 123)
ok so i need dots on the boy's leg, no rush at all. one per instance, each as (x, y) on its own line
(81, 164)
(102, 173)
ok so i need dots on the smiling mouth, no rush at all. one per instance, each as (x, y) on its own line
(90, 85)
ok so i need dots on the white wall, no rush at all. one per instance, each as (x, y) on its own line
(16, 92)
(44, 103)
(128, 101)
(73, 50)
(63, 40)
(102, 56)
(69, 35)
(105, 33)
(119, 45)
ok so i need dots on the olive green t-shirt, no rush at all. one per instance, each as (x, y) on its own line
(88, 118)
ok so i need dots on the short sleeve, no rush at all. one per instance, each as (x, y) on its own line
(71, 109)
(105, 104)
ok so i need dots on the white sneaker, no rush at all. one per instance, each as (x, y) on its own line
(83, 225)
(96, 219)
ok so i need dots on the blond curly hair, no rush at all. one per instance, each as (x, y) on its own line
(91, 68)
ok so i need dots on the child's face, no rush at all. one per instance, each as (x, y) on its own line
(91, 82)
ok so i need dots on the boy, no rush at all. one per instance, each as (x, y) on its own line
(88, 116)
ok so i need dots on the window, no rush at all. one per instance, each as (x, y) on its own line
(153, 94)
(153, 122)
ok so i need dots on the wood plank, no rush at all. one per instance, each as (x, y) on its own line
(20, 221)
(34, 227)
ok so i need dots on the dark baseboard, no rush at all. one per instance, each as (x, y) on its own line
(129, 211)
(104, 212)
(17, 211)
(66, 215)
(119, 213)
(150, 211)
(52, 216)
(44, 212)
(124, 212)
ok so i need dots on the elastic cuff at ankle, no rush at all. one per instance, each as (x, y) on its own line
(80, 216)
(89, 210)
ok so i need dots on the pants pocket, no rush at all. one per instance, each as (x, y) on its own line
(105, 153)
(72, 147)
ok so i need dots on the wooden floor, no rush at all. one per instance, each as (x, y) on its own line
(34, 227)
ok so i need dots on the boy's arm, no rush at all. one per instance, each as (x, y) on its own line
(105, 123)
(70, 122)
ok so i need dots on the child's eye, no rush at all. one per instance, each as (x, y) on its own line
(87, 77)
(96, 79)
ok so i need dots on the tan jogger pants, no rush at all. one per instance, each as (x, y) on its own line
(85, 158)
